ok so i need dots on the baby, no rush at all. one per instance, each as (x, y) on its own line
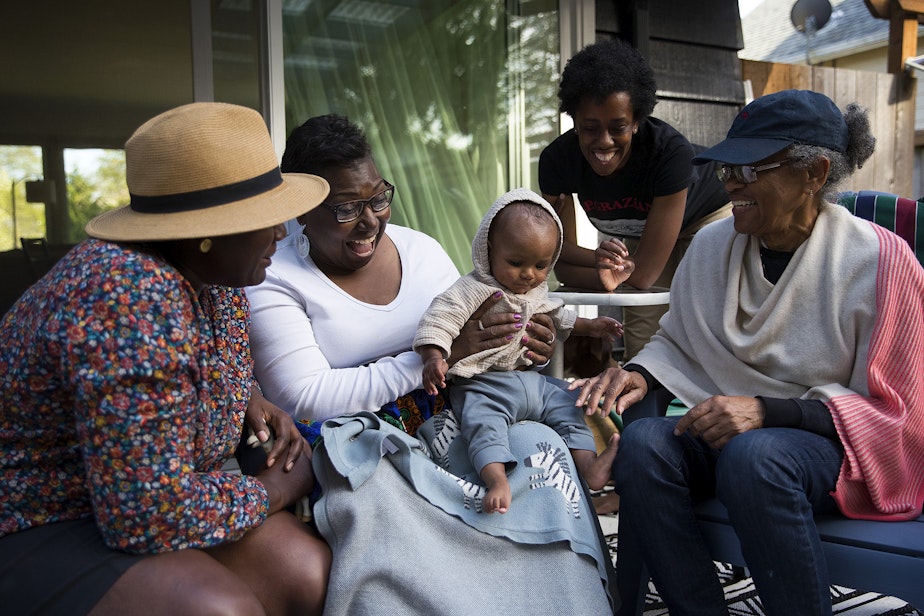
(513, 252)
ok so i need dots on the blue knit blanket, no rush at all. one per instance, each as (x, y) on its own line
(391, 511)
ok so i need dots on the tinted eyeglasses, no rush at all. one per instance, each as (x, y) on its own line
(746, 174)
(348, 211)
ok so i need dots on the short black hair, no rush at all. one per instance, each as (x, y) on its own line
(323, 142)
(605, 67)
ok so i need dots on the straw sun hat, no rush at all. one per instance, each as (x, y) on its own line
(201, 170)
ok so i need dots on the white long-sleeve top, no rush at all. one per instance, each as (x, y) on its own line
(319, 352)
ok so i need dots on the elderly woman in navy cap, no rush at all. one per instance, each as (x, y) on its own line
(794, 336)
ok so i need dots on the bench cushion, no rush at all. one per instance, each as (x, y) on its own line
(885, 557)
(896, 537)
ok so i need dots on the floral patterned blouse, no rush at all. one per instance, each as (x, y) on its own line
(123, 395)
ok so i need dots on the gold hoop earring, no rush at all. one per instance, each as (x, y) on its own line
(205, 245)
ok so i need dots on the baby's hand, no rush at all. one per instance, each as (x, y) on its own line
(606, 326)
(434, 375)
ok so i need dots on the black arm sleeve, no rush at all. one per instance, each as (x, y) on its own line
(810, 415)
(650, 380)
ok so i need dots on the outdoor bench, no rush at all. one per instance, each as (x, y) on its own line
(883, 557)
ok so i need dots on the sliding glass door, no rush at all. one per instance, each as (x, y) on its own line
(457, 97)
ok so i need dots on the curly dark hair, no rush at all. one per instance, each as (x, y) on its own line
(323, 142)
(605, 67)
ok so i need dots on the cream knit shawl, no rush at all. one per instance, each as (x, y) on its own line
(844, 324)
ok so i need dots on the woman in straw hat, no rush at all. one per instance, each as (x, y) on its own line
(127, 376)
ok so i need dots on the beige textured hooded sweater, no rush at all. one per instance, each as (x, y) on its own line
(449, 310)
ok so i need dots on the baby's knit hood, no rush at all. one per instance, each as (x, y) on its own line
(480, 258)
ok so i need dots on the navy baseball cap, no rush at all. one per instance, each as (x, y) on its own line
(776, 121)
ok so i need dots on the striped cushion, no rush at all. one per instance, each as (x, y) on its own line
(904, 217)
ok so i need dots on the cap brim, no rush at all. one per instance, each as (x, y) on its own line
(742, 150)
(298, 193)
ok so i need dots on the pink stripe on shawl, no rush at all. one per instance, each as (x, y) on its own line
(882, 477)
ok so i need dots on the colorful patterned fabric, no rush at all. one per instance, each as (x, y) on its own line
(407, 413)
(123, 394)
(904, 217)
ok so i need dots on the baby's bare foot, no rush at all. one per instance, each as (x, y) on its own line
(497, 499)
(598, 472)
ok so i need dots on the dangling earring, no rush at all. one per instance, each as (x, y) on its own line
(205, 245)
(302, 245)
(811, 193)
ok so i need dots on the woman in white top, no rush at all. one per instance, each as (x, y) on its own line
(333, 327)
(334, 321)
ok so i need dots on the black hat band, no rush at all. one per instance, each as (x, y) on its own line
(208, 197)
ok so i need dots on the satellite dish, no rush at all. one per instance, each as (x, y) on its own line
(810, 15)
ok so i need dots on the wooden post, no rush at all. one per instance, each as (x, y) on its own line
(903, 37)
(903, 16)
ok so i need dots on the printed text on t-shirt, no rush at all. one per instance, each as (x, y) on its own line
(629, 203)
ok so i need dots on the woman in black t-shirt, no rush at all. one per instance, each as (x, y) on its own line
(633, 175)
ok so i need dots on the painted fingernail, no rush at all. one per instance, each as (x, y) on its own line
(525, 339)
(498, 293)
(520, 325)
(510, 337)
(528, 325)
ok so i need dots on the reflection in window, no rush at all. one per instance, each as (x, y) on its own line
(18, 217)
(236, 52)
(95, 183)
(456, 97)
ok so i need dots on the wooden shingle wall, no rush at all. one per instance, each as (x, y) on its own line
(692, 48)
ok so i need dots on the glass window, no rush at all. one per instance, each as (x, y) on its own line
(95, 183)
(236, 57)
(456, 97)
(86, 75)
(19, 165)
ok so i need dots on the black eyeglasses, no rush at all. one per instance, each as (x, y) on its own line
(348, 211)
(746, 174)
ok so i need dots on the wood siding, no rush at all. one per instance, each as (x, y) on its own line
(889, 99)
(693, 50)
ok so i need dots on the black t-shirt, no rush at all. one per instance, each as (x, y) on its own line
(659, 164)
